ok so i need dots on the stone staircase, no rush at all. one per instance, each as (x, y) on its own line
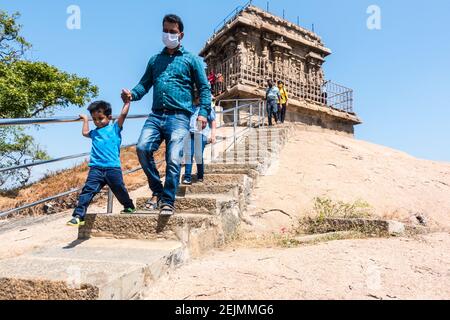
(118, 256)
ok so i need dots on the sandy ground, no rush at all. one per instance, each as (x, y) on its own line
(350, 269)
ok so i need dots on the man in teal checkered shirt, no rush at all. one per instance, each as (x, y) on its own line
(173, 74)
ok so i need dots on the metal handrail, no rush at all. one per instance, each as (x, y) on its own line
(237, 107)
(30, 121)
(20, 122)
(59, 195)
(249, 99)
(231, 16)
(36, 203)
(40, 163)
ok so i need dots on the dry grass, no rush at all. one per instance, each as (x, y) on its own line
(327, 208)
(66, 180)
(330, 216)
(268, 240)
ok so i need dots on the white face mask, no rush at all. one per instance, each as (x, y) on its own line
(170, 40)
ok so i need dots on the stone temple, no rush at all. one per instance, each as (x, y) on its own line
(253, 46)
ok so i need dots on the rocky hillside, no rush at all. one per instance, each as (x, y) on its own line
(394, 184)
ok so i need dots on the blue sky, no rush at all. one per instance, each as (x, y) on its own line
(400, 74)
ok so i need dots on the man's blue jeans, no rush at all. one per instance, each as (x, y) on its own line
(272, 110)
(195, 150)
(96, 180)
(172, 128)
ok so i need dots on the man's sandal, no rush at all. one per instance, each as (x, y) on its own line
(167, 210)
(151, 205)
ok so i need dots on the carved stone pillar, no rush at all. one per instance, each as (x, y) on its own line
(242, 53)
(266, 66)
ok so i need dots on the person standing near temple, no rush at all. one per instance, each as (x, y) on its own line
(283, 101)
(272, 98)
(173, 73)
(195, 146)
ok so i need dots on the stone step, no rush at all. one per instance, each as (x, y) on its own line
(196, 204)
(269, 133)
(273, 131)
(257, 143)
(241, 153)
(263, 142)
(271, 140)
(242, 160)
(238, 188)
(217, 167)
(263, 163)
(259, 146)
(147, 226)
(213, 179)
(252, 173)
(246, 153)
(263, 139)
(88, 270)
(198, 233)
(201, 189)
(252, 169)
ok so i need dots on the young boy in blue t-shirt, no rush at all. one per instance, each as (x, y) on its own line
(105, 167)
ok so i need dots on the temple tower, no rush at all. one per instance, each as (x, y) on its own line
(253, 46)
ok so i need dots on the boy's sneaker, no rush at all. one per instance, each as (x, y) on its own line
(129, 211)
(200, 180)
(167, 210)
(75, 222)
(187, 182)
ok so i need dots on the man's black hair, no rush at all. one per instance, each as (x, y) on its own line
(173, 18)
(100, 105)
(280, 82)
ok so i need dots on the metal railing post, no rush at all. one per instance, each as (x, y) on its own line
(259, 114)
(235, 123)
(109, 209)
(212, 144)
(212, 151)
(251, 116)
(264, 113)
